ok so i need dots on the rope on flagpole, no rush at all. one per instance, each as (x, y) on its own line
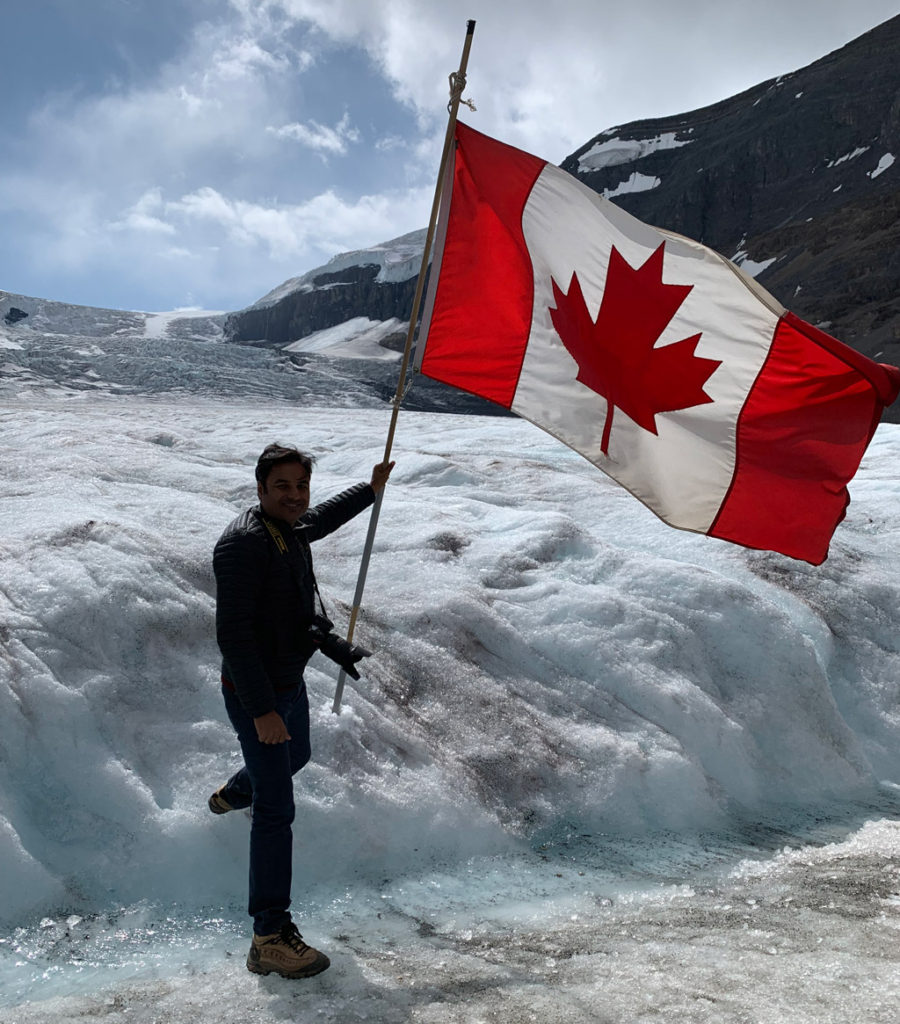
(457, 88)
(457, 85)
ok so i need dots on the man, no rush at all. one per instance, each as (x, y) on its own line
(266, 602)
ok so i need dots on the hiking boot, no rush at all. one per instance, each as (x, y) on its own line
(286, 954)
(218, 804)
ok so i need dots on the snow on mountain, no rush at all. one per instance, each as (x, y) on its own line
(68, 319)
(357, 338)
(59, 349)
(179, 322)
(886, 161)
(751, 267)
(636, 182)
(848, 156)
(397, 260)
(616, 151)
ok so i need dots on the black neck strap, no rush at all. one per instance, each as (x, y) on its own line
(283, 549)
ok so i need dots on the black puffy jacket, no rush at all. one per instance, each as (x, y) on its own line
(265, 598)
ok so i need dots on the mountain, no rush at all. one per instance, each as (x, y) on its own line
(377, 283)
(794, 179)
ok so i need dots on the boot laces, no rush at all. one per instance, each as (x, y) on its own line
(290, 936)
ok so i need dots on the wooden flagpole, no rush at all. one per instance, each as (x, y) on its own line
(457, 85)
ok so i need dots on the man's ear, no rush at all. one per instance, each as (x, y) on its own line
(260, 490)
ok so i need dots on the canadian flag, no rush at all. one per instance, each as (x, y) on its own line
(649, 354)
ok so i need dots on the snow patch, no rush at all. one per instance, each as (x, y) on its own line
(751, 267)
(358, 338)
(156, 325)
(625, 151)
(636, 183)
(883, 164)
(848, 156)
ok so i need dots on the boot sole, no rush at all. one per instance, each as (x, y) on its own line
(308, 972)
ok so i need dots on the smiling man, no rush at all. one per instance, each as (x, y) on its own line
(268, 626)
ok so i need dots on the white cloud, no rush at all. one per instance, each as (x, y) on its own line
(177, 252)
(317, 228)
(391, 142)
(241, 59)
(207, 107)
(143, 215)
(319, 137)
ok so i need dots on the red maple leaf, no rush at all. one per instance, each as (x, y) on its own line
(616, 355)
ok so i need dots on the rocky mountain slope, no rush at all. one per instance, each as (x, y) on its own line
(795, 179)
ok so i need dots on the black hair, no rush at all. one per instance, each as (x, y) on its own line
(277, 454)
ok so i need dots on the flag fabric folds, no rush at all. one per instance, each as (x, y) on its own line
(652, 356)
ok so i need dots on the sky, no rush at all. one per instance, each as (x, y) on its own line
(160, 154)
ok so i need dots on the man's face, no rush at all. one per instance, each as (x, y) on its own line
(285, 494)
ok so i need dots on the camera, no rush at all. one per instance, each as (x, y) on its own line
(336, 647)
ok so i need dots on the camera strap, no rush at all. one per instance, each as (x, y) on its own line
(283, 549)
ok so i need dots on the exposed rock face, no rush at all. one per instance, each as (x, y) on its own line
(377, 283)
(14, 315)
(798, 173)
(332, 298)
(795, 179)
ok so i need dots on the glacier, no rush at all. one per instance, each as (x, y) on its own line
(597, 769)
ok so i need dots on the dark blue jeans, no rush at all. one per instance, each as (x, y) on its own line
(265, 784)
